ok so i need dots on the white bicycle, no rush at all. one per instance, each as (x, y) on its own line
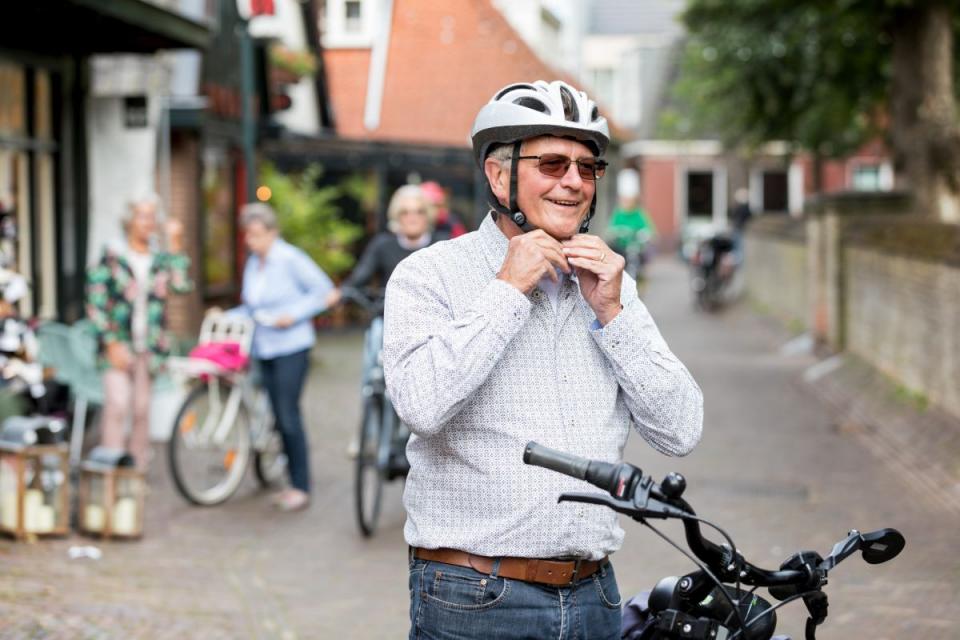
(224, 419)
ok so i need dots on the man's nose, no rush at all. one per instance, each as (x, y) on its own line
(572, 179)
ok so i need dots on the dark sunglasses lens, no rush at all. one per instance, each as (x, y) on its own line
(587, 169)
(554, 166)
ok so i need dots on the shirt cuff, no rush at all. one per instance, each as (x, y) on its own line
(627, 329)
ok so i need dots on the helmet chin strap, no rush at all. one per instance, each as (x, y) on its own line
(518, 217)
(513, 212)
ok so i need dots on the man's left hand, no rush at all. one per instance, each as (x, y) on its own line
(600, 272)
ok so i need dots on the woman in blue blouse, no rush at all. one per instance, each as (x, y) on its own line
(283, 289)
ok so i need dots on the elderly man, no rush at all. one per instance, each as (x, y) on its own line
(525, 329)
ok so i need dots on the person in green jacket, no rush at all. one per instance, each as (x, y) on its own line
(127, 292)
(631, 231)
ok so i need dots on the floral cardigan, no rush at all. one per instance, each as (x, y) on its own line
(112, 290)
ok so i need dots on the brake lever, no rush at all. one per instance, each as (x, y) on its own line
(602, 499)
(841, 551)
(651, 508)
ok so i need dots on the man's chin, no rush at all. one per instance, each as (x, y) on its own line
(564, 231)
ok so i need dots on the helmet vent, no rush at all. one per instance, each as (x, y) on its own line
(570, 111)
(532, 103)
(513, 87)
(594, 114)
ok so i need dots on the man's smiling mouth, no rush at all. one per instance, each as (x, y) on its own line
(564, 203)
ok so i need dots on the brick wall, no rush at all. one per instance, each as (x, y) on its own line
(901, 315)
(184, 312)
(866, 278)
(775, 268)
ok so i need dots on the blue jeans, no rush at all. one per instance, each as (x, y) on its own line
(448, 602)
(283, 378)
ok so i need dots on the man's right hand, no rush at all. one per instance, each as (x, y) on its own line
(118, 355)
(530, 256)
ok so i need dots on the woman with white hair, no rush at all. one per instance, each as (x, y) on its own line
(127, 292)
(410, 218)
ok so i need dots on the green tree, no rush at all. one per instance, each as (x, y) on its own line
(826, 76)
(308, 216)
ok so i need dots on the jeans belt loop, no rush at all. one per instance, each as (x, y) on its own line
(496, 568)
(576, 570)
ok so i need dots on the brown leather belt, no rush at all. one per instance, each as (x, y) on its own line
(553, 572)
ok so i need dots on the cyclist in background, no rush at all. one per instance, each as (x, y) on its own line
(631, 231)
(410, 217)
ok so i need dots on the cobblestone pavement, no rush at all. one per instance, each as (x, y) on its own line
(777, 468)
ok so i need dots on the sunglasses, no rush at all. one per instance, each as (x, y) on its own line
(556, 165)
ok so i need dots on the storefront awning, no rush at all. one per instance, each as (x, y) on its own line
(59, 27)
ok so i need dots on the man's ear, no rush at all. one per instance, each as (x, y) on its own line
(498, 176)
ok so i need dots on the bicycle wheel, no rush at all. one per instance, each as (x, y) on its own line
(368, 486)
(270, 462)
(269, 458)
(207, 467)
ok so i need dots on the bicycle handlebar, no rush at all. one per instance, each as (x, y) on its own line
(639, 497)
(372, 303)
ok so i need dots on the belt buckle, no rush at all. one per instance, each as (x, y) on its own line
(576, 571)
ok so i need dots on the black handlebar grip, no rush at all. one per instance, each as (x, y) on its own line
(565, 463)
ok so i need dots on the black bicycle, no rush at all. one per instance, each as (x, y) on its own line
(704, 605)
(381, 452)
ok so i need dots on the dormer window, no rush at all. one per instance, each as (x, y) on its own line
(348, 23)
(352, 17)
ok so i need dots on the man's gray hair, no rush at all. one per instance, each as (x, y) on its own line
(258, 212)
(501, 152)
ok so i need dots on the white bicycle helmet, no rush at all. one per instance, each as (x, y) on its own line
(521, 111)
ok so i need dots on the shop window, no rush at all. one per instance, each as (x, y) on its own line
(43, 118)
(13, 119)
(28, 162)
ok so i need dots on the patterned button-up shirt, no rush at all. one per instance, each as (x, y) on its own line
(477, 369)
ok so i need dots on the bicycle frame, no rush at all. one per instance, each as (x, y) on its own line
(219, 423)
(374, 386)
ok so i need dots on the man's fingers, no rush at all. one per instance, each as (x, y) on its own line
(594, 266)
(551, 271)
(585, 241)
(590, 253)
(553, 251)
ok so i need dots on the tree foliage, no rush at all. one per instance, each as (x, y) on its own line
(811, 73)
(309, 217)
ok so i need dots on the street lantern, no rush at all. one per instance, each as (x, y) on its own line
(34, 468)
(112, 495)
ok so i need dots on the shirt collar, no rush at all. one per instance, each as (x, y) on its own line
(272, 252)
